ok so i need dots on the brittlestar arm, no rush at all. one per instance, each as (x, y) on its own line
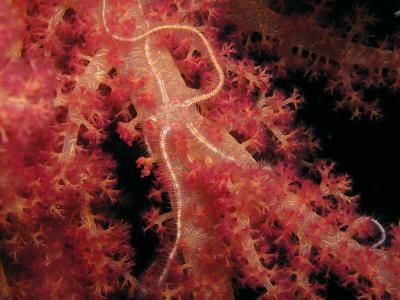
(177, 190)
(213, 148)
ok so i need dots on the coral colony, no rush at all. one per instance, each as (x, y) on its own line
(240, 195)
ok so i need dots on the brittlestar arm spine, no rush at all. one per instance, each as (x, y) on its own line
(382, 232)
(160, 82)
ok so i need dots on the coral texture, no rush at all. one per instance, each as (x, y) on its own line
(240, 196)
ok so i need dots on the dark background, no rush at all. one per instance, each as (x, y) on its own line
(367, 150)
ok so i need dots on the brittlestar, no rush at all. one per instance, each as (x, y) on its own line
(174, 113)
